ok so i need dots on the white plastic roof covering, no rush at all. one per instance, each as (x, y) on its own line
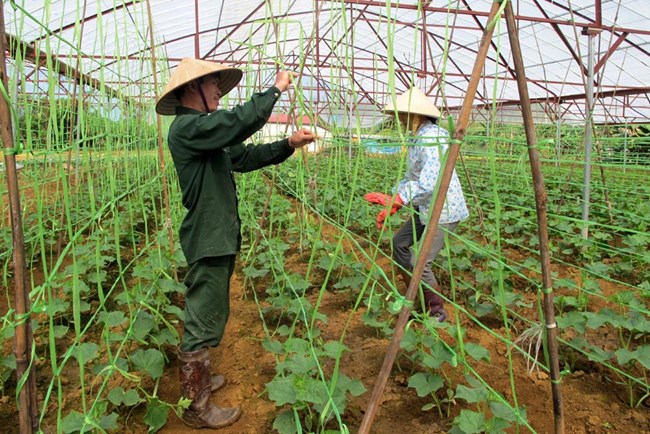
(352, 53)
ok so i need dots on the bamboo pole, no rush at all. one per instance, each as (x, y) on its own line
(432, 225)
(542, 227)
(27, 401)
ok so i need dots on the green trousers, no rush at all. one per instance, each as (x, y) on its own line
(207, 302)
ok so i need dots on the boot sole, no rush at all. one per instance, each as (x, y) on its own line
(194, 422)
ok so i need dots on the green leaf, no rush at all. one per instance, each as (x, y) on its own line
(311, 390)
(285, 423)
(328, 262)
(425, 383)
(109, 421)
(142, 325)
(144, 271)
(176, 311)
(53, 306)
(471, 395)
(597, 354)
(298, 364)
(165, 336)
(273, 346)
(72, 423)
(409, 340)
(636, 321)
(477, 351)
(592, 285)
(97, 276)
(334, 349)
(84, 306)
(497, 425)
(284, 330)
(505, 412)
(82, 286)
(355, 387)
(281, 390)
(253, 272)
(604, 316)
(8, 361)
(470, 422)
(352, 282)
(117, 397)
(598, 268)
(641, 355)
(483, 309)
(298, 283)
(156, 416)
(59, 331)
(296, 345)
(440, 354)
(396, 306)
(564, 283)
(87, 352)
(170, 285)
(119, 363)
(150, 361)
(573, 319)
(112, 319)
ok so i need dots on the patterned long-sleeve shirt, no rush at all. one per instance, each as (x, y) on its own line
(418, 188)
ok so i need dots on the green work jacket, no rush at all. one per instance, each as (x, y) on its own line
(207, 148)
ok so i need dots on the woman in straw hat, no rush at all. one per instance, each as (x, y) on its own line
(206, 145)
(425, 151)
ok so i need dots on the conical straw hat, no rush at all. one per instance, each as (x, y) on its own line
(190, 69)
(413, 101)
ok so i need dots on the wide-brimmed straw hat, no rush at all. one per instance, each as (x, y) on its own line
(413, 101)
(190, 69)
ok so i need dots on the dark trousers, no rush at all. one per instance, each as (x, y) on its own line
(207, 302)
(408, 235)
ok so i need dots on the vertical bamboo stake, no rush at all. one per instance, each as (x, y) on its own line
(28, 416)
(161, 153)
(432, 226)
(542, 228)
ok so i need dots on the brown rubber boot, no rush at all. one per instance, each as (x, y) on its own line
(216, 382)
(196, 384)
(433, 302)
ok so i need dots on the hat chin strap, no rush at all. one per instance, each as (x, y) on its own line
(204, 99)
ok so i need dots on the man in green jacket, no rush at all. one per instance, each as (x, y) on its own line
(206, 145)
